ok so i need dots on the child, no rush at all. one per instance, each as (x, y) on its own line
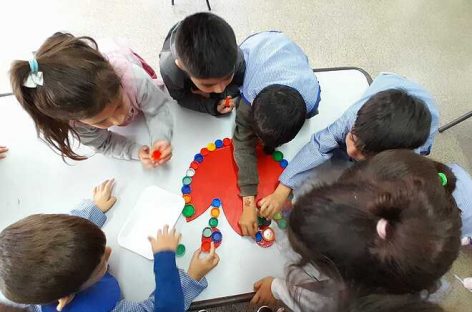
(279, 92)
(393, 113)
(365, 238)
(404, 163)
(56, 261)
(202, 65)
(3, 152)
(70, 88)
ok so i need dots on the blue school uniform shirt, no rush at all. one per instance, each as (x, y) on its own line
(169, 292)
(462, 196)
(323, 143)
(273, 58)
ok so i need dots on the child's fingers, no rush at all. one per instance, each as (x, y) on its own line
(94, 190)
(212, 249)
(109, 185)
(111, 201)
(165, 230)
(257, 285)
(256, 298)
(159, 232)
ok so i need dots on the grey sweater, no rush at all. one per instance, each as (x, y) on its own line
(245, 140)
(152, 101)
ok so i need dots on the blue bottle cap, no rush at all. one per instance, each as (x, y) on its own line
(283, 163)
(258, 237)
(216, 202)
(186, 189)
(198, 158)
(219, 143)
(216, 237)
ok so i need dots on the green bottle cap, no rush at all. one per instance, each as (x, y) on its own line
(278, 156)
(213, 222)
(180, 251)
(188, 210)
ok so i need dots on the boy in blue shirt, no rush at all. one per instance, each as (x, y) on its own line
(393, 113)
(279, 92)
(58, 262)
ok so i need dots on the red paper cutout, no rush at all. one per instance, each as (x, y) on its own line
(216, 177)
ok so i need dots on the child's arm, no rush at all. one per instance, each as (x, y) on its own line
(168, 295)
(94, 210)
(107, 142)
(154, 104)
(244, 140)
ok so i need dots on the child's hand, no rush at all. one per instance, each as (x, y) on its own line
(145, 156)
(264, 292)
(200, 267)
(222, 108)
(163, 155)
(165, 240)
(273, 203)
(3, 152)
(102, 195)
(248, 220)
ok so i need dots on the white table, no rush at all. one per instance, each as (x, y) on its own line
(35, 180)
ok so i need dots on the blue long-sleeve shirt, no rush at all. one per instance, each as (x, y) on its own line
(273, 58)
(462, 196)
(189, 288)
(167, 282)
(324, 143)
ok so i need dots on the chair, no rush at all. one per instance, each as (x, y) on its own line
(207, 1)
(455, 121)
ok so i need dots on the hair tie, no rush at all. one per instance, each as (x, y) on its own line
(442, 178)
(382, 228)
(35, 77)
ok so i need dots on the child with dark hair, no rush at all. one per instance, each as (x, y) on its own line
(201, 64)
(279, 92)
(367, 237)
(58, 262)
(393, 113)
(70, 88)
(392, 303)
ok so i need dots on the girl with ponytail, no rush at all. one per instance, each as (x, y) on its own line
(363, 236)
(72, 90)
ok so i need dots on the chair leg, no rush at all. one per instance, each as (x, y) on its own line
(172, 1)
(208, 5)
(455, 121)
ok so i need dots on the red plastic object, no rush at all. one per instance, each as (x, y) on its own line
(194, 165)
(206, 246)
(227, 142)
(227, 101)
(219, 166)
(156, 155)
(204, 151)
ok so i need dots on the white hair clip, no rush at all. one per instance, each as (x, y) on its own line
(35, 77)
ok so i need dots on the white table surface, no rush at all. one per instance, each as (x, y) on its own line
(33, 179)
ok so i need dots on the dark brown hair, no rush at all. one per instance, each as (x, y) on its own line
(391, 119)
(78, 83)
(334, 228)
(45, 257)
(393, 303)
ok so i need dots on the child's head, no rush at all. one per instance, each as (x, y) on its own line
(207, 51)
(381, 237)
(390, 119)
(46, 257)
(79, 85)
(392, 165)
(278, 112)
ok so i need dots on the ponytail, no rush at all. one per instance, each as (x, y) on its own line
(78, 82)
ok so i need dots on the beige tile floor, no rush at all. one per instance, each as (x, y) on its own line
(429, 41)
